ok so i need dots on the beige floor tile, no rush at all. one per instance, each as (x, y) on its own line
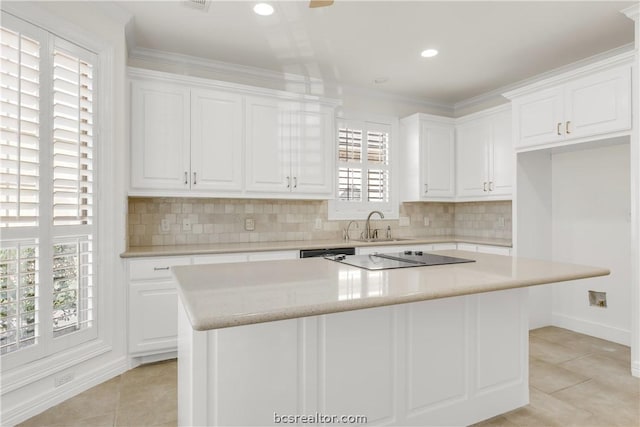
(546, 410)
(498, 421)
(613, 404)
(602, 347)
(553, 334)
(551, 352)
(548, 377)
(612, 372)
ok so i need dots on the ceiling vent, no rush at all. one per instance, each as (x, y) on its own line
(202, 5)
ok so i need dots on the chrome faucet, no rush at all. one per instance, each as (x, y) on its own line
(346, 230)
(367, 228)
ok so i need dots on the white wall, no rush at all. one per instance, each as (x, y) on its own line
(591, 225)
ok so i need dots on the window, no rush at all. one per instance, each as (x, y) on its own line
(47, 284)
(364, 170)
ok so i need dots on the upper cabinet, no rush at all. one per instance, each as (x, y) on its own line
(289, 147)
(485, 155)
(160, 134)
(427, 170)
(577, 108)
(202, 138)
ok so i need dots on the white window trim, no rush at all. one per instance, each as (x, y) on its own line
(108, 245)
(340, 210)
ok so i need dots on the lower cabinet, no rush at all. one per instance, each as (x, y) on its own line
(153, 298)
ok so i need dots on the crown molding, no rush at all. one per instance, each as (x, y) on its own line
(618, 56)
(502, 91)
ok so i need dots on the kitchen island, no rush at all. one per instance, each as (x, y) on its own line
(276, 341)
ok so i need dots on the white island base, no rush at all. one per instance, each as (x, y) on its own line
(443, 362)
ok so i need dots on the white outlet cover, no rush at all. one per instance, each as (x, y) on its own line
(318, 224)
(249, 224)
(164, 225)
(501, 222)
(186, 224)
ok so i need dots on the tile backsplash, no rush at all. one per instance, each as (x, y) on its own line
(223, 221)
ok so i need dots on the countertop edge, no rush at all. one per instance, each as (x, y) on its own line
(221, 322)
(301, 244)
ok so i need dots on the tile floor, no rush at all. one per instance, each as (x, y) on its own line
(575, 380)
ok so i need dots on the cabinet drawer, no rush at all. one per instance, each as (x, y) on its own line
(157, 268)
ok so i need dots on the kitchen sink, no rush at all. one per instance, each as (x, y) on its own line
(381, 240)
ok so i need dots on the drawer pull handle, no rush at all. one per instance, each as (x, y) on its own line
(558, 128)
(567, 127)
(160, 268)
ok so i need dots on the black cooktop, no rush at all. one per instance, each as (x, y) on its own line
(397, 260)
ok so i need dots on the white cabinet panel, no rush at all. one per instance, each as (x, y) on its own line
(153, 317)
(538, 117)
(219, 258)
(472, 156)
(436, 355)
(598, 104)
(495, 250)
(427, 167)
(313, 162)
(584, 107)
(268, 141)
(485, 156)
(216, 141)
(159, 136)
(356, 344)
(271, 256)
(500, 324)
(253, 388)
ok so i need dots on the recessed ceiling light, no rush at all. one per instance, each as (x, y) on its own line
(429, 53)
(263, 9)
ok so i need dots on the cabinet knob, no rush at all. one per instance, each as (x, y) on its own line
(566, 128)
(288, 182)
(484, 186)
(186, 178)
(558, 128)
(490, 185)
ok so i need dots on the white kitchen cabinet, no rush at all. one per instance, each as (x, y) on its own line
(153, 305)
(367, 250)
(216, 141)
(485, 249)
(592, 105)
(160, 135)
(484, 161)
(289, 148)
(153, 297)
(427, 167)
(185, 139)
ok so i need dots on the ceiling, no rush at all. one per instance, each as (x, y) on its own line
(483, 46)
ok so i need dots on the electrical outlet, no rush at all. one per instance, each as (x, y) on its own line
(249, 224)
(427, 221)
(164, 225)
(598, 299)
(318, 224)
(63, 379)
(404, 221)
(186, 224)
(501, 222)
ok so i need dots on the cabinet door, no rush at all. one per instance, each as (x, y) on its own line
(438, 157)
(216, 141)
(313, 162)
(153, 317)
(472, 156)
(268, 145)
(159, 136)
(501, 155)
(598, 104)
(539, 118)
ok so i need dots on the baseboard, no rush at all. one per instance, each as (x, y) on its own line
(594, 329)
(635, 368)
(53, 396)
(152, 358)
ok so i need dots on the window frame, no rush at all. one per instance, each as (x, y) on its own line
(358, 210)
(45, 231)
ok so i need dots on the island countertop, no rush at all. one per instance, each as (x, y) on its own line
(225, 295)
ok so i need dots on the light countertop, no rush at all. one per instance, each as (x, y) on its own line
(223, 295)
(219, 248)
